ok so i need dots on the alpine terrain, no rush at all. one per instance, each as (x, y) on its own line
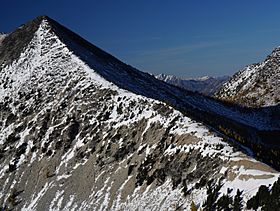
(81, 130)
(205, 85)
(257, 85)
(2, 36)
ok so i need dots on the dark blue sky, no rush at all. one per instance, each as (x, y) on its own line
(182, 37)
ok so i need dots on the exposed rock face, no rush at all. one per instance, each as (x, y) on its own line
(69, 139)
(205, 85)
(257, 85)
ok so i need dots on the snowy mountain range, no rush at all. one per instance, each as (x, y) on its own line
(257, 85)
(81, 130)
(205, 85)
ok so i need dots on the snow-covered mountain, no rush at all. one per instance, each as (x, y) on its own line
(205, 85)
(81, 130)
(257, 85)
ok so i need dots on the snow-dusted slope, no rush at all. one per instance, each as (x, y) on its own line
(70, 139)
(129, 78)
(205, 85)
(257, 85)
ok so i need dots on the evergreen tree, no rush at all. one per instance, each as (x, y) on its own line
(254, 202)
(272, 203)
(275, 193)
(237, 202)
(262, 198)
(212, 196)
(225, 202)
(268, 200)
(264, 195)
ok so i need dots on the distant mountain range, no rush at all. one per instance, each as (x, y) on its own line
(257, 85)
(205, 85)
(81, 130)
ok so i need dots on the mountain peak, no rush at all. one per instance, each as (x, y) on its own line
(275, 54)
(38, 20)
(16, 41)
(63, 123)
(43, 17)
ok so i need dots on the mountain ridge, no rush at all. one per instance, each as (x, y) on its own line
(196, 106)
(256, 85)
(71, 138)
(122, 75)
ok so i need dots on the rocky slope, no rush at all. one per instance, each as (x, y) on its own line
(72, 139)
(2, 36)
(205, 85)
(257, 85)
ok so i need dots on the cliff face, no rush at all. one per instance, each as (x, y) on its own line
(71, 139)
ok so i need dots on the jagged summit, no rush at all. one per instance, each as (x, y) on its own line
(16, 41)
